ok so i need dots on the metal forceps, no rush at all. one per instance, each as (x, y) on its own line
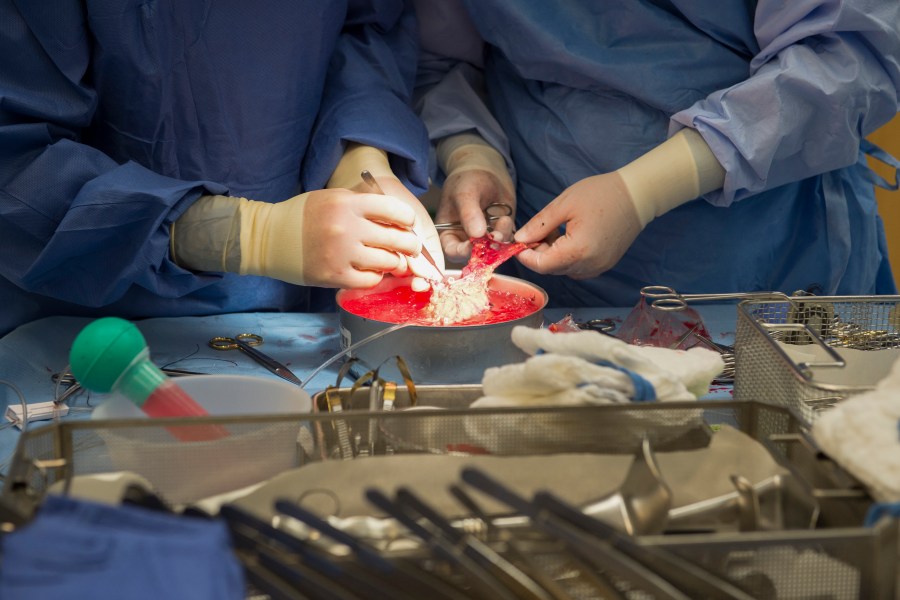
(492, 212)
(245, 342)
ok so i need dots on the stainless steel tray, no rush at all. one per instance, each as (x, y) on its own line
(51, 456)
(551, 430)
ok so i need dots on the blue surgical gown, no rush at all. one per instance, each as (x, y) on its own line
(115, 115)
(76, 548)
(783, 93)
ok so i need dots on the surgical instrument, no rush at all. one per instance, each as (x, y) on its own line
(245, 342)
(674, 568)
(663, 297)
(482, 582)
(598, 553)
(725, 351)
(370, 181)
(65, 379)
(411, 579)
(492, 212)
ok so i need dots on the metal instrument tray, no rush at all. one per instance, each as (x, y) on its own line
(552, 431)
(50, 456)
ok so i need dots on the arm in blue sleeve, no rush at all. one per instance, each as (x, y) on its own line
(455, 105)
(367, 96)
(74, 224)
(827, 75)
(450, 94)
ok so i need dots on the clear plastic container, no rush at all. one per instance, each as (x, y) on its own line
(184, 472)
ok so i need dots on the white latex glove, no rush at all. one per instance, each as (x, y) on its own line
(604, 214)
(601, 223)
(358, 158)
(327, 238)
(476, 177)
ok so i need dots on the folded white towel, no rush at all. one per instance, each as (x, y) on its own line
(530, 378)
(693, 368)
(585, 367)
(862, 435)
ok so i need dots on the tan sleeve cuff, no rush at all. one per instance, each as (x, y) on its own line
(469, 152)
(677, 171)
(207, 236)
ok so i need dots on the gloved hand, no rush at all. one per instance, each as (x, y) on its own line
(604, 214)
(601, 223)
(476, 177)
(327, 238)
(358, 158)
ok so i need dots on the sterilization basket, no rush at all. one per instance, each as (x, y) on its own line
(770, 331)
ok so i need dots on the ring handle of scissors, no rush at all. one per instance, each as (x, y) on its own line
(662, 297)
(492, 212)
(495, 210)
(239, 341)
(600, 325)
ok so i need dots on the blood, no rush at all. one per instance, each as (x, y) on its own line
(647, 326)
(466, 449)
(403, 305)
(488, 254)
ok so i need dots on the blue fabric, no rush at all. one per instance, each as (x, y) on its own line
(115, 115)
(882, 509)
(450, 81)
(880, 155)
(80, 549)
(643, 389)
(783, 92)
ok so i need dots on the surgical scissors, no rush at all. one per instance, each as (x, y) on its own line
(245, 342)
(492, 212)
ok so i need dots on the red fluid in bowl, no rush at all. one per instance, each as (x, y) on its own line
(403, 305)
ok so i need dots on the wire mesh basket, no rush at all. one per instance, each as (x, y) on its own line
(813, 564)
(807, 353)
(49, 458)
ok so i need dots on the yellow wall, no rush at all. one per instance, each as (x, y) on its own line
(888, 137)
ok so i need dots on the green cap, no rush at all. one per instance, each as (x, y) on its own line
(103, 351)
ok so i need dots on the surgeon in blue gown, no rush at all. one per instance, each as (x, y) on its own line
(166, 158)
(708, 146)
